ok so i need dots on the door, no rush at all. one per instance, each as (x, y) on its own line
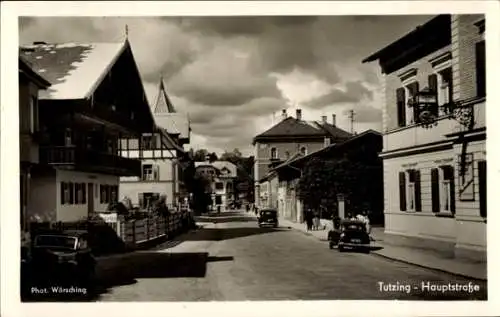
(90, 198)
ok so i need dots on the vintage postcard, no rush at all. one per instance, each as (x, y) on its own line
(302, 156)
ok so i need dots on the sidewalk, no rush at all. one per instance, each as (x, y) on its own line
(407, 254)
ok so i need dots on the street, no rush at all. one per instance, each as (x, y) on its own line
(232, 259)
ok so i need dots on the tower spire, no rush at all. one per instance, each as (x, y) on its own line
(126, 31)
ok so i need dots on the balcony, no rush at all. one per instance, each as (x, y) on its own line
(89, 160)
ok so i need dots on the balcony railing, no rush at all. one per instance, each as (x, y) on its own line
(90, 160)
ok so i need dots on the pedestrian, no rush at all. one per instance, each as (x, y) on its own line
(309, 219)
(316, 220)
(367, 222)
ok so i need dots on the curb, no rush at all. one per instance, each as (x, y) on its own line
(428, 267)
(404, 261)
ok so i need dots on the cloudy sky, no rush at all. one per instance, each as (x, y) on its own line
(231, 74)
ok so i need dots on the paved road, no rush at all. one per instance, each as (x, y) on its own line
(233, 259)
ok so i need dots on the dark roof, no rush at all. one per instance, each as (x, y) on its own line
(421, 41)
(292, 127)
(336, 145)
(26, 68)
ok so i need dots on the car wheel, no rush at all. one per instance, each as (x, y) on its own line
(331, 245)
(341, 248)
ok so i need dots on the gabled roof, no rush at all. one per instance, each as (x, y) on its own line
(328, 148)
(219, 165)
(75, 70)
(163, 103)
(26, 68)
(292, 127)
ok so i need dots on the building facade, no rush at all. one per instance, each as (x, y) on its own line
(221, 176)
(30, 82)
(95, 99)
(159, 152)
(290, 136)
(362, 150)
(435, 175)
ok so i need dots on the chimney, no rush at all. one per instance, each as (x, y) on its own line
(323, 119)
(283, 114)
(298, 114)
(334, 120)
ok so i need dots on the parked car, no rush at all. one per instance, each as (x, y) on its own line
(268, 217)
(64, 257)
(352, 235)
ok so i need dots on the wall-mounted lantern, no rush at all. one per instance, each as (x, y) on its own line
(427, 109)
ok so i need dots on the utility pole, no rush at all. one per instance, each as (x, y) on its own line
(351, 119)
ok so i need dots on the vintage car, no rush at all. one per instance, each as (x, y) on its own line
(268, 217)
(351, 235)
(62, 257)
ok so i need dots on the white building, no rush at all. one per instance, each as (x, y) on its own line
(435, 177)
(221, 176)
(159, 152)
(96, 98)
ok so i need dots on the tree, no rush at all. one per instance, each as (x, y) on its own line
(323, 180)
(200, 155)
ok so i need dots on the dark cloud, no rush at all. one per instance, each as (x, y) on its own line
(239, 25)
(221, 67)
(354, 92)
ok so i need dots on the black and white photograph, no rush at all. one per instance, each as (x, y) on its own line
(306, 157)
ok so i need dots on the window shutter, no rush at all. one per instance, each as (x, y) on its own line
(418, 195)
(84, 192)
(102, 194)
(480, 69)
(402, 191)
(451, 174)
(482, 188)
(416, 112)
(71, 193)
(433, 86)
(401, 98)
(435, 189)
(63, 187)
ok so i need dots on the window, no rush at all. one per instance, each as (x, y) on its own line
(303, 150)
(147, 172)
(274, 153)
(443, 189)
(482, 188)
(65, 194)
(480, 69)
(148, 142)
(68, 138)
(409, 191)
(411, 112)
(79, 193)
(219, 185)
(33, 114)
(104, 194)
(287, 155)
(218, 200)
(84, 193)
(327, 142)
(441, 84)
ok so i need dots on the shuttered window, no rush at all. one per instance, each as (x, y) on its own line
(84, 190)
(412, 91)
(402, 191)
(480, 69)
(401, 106)
(482, 188)
(435, 190)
